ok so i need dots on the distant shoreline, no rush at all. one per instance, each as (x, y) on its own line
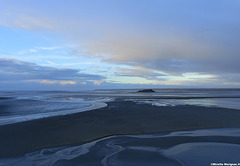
(118, 118)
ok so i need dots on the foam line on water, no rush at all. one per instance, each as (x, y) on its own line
(22, 118)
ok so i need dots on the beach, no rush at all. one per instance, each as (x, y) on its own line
(119, 117)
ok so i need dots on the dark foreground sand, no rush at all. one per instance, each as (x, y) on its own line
(119, 117)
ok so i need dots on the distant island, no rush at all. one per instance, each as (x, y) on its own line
(146, 90)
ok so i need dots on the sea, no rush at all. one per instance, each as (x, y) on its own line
(19, 106)
(203, 147)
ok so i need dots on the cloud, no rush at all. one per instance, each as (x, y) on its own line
(37, 49)
(13, 70)
(71, 64)
(138, 72)
(25, 21)
(58, 82)
(163, 52)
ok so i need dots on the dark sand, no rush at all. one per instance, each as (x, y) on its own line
(119, 117)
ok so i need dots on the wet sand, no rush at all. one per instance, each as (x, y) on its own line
(188, 148)
(118, 118)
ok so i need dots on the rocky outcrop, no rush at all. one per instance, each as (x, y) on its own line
(146, 90)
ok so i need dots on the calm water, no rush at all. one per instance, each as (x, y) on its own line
(25, 105)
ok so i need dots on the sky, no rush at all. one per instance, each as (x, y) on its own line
(93, 44)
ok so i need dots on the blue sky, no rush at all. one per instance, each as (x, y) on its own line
(79, 44)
